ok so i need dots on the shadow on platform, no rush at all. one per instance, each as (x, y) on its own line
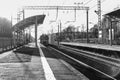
(20, 55)
(28, 51)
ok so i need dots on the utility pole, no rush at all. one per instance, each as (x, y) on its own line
(23, 14)
(82, 30)
(60, 30)
(87, 26)
(98, 12)
(58, 35)
(12, 34)
(36, 24)
(99, 16)
(18, 17)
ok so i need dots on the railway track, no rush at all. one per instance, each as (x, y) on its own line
(95, 67)
(109, 60)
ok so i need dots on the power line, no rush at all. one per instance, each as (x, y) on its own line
(88, 2)
(93, 6)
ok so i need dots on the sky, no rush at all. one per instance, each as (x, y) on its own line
(10, 8)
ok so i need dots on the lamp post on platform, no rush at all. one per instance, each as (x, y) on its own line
(36, 24)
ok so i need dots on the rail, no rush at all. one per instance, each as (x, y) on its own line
(75, 55)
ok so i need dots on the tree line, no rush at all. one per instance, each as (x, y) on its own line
(5, 28)
(71, 33)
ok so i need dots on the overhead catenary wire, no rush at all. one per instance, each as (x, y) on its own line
(88, 2)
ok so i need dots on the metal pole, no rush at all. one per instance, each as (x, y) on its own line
(111, 34)
(11, 40)
(17, 38)
(58, 35)
(24, 36)
(87, 27)
(20, 37)
(99, 16)
(36, 31)
(29, 34)
(18, 17)
(23, 14)
(60, 30)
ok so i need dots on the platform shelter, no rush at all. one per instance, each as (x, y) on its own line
(19, 28)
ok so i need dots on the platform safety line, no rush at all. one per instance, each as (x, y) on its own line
(47, 70)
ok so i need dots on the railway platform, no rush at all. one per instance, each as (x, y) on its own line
(96, 46)
(36, 63)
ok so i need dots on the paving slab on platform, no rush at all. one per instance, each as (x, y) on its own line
(20, 66)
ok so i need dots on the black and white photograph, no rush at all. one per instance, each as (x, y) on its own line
(60, 40)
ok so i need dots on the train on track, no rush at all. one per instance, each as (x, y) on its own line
(44, 39)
